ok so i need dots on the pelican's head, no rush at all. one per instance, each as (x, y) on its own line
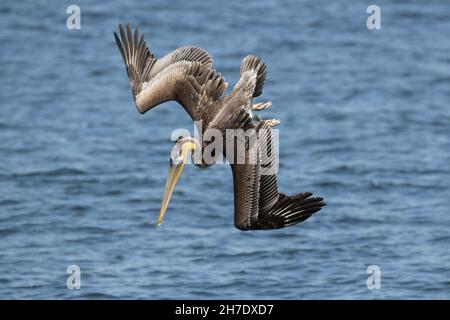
(178, 157)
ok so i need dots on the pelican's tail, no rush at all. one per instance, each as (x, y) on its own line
(255, 63)
(290, 210)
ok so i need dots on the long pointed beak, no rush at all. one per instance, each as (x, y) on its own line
(172, 179)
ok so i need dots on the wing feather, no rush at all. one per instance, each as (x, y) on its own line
(268, 193)
(182, 75)
(258, 204)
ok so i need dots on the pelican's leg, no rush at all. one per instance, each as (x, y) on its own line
(261, 106)
(272, 122)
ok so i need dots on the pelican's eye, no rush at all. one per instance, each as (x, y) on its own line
(171, 162)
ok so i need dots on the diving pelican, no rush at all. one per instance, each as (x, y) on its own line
(186, 76)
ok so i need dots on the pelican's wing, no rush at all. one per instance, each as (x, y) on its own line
(252, 62)
(268, 190)
(258, 204)
(235, 111)
(183, 75)
(246, 180)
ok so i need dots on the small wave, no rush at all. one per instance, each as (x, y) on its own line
(356, 220)
(329, 184)
(241, 254)
(99, 72)
(445, 239)
(9, 202)
(7, 232)
(97, 296)
(343, 168)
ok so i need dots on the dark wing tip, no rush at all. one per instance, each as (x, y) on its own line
(292, 210)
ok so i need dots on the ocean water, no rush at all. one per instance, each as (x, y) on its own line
(365, 123)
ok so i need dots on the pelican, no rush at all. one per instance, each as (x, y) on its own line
(186, 76)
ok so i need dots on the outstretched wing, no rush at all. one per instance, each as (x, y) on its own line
(246, 178)
(258, 204)
(184, 75)
(254, 63)
(235, 111)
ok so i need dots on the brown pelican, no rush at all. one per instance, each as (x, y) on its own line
(186, 76)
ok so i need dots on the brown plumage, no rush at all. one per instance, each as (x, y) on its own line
(186, 76)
